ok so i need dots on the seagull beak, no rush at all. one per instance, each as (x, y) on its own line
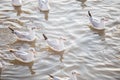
(63, 38)
(38, 28)
(78, 73)
(105, 19)
(34, 52)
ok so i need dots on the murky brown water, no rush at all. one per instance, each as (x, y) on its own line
(95, 56)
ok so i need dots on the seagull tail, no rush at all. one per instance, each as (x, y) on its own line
(45, 37)
(50, 75)
(89, 14)
(11, 29)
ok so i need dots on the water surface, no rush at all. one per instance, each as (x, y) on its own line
(95, 55)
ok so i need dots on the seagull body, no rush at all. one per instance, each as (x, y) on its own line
(96, 24)
(23, 56)
(55, 44)
(17, 2)
(73, 76)
(24, 36)
(44, 5)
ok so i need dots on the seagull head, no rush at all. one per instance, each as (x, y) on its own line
(75, 73)
(32, 50)
(62, 38)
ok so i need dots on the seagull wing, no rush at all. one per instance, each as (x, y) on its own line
(23, 56)
(97, 23)
(24, 35)
(53, 43)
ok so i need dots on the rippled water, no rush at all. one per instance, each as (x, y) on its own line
(95, 55)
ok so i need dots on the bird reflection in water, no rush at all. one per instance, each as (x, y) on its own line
(18, 10)
(101, 33)
(45, 14)
(73, 76)
(83, 5)
(29, 65)
(52, 52)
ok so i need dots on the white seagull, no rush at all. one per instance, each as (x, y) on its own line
(55, 44)
(25, 36)
(96, 24)
(44, 5)
(73, 76)
(17, 2)
(24, 56)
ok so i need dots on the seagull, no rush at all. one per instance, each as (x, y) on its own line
(73, 76)
(24, 36)
(44, 5)
(17, 2)
(55, 44)
(96, 24)
(24, 56)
